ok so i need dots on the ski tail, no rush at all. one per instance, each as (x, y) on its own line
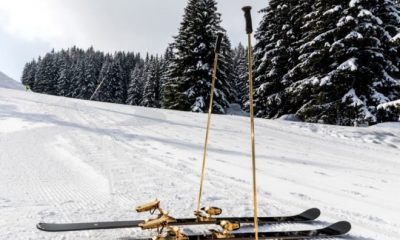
(66, 227)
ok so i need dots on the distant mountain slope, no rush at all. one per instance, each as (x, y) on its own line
(7, 82)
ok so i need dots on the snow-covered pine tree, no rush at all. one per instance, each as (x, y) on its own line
(112, 88)
(84, 77)
(64, 79)
(390, 15)
(47, 75)
(240, 72)
(226, 67)
(136, 86)
(29, 73)
(77, 69)
(345, 70)
(126, 66)
(346, 65)
(129, 64)
(151, 92)
(77, 78)
(165, 66)
(188, 85)
(276, 53)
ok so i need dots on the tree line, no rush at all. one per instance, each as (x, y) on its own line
(333, 62)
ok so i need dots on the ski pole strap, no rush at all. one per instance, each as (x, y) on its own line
(220, 35)
(249, 22)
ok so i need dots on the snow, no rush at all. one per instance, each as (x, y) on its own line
(236, 109)
(379, 97)
(351, 95)
(354, 35)
(396, 38)
(289, 117)
(198, 105)
(333, 10)
(349, 65)
(67, 160)
(354, 3)
(390, 104)
(355, 101)
(366, 13)
(344, 20)
(7, 82)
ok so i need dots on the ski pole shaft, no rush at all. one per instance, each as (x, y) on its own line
(214, 77)
(249, 31)
(97, 89)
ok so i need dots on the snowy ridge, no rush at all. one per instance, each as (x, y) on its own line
(7, 82)
(66, 160)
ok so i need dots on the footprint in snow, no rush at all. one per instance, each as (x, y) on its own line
(68, 202)
(302, 196)
(321, 173)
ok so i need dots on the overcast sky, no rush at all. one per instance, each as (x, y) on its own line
(29, 28)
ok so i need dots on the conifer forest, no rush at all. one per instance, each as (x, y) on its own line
(334, 62)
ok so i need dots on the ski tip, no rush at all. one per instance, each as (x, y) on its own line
(40, 226)
(44, 227)
(311, 214)
(340, 228)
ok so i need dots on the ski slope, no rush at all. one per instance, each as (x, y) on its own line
(66, 160)
(7, 82)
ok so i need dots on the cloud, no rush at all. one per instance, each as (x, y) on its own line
(108, 25)
(33, 20)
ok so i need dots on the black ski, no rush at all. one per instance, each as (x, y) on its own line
(306, 216)
(334, 230)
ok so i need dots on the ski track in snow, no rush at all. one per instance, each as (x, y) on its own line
(66, 160)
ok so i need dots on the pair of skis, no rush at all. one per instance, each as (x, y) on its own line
(337, 229)
(206, 215)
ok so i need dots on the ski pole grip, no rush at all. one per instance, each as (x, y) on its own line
(249, 22)
(219, 42)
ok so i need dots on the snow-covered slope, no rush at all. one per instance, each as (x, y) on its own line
(7, 82)
(64, 160)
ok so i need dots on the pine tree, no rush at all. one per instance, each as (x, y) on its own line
(90, 75)
(29, 73)
(64, 79)
(136, 86)
(226, 68)
(77, 79)
(165, 64)
(278, 35)
(345, 71)
(189, 80)
(240, 75)
(47, 75)
(112, 88)
(337, 62)
(151, 93)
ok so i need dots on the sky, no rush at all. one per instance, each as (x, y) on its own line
(29, 28)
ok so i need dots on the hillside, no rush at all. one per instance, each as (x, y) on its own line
(66, 160)
(7, 82)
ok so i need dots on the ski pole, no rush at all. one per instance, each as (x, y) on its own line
(249, 31)
(97, 89)
(214, 77)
